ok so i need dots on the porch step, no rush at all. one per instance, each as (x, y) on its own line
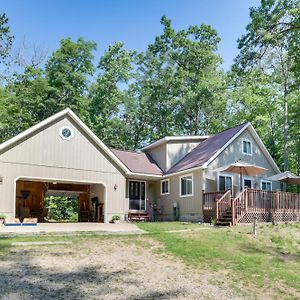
(223, 223)
(226, 219)
(138, 217)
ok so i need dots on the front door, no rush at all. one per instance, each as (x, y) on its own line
(137, 195)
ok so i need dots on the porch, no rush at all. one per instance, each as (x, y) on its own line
(266, 206)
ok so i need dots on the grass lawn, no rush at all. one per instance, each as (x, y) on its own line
(268, 263)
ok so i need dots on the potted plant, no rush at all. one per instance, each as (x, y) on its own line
(2, 218)
(115, 219)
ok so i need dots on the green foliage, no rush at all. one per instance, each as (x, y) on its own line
(62, 208)
(6, 39)
(175, 87)
(115, 218)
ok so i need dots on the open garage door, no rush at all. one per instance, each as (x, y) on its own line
(82, 202)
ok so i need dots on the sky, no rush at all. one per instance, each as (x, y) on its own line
(134, 22)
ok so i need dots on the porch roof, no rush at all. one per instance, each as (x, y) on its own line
(138, 162)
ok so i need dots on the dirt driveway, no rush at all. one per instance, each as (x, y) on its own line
(103, 268)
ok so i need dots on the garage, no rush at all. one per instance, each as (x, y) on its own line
(81, 202)
(61, 157)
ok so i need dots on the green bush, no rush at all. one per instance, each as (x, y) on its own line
(62, 208)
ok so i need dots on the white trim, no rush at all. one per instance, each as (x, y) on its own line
(248, 178)
(76, 119)
(225, 146)
(180, 192)
(264, 149)
(251, 150)
(61, 133)
(161, 183)
(40, 179)
(184, 171)
(224, 174)
(266, 181)
(174, 138)
(136, 180)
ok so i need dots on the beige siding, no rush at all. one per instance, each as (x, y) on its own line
(190, 207)
(47, 156)
(159, 154)
(234, 153)
(177, 150)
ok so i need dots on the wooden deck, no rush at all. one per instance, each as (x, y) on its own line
(266, 206)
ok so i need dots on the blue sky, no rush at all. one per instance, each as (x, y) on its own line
(134, 22)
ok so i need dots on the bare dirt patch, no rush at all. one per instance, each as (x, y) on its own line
(111, 268)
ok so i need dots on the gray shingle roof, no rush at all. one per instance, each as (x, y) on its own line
(205, 150)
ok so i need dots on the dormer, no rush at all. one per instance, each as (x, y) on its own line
(170, 149)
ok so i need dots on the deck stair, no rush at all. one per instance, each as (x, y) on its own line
(225, 219)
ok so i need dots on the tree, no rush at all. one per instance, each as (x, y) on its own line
(107, 97)
(271, 43)
(67, 72)
(179, 76)
(6, 39)
(24, 101)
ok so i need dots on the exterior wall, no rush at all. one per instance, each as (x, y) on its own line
(234, 153)
(190, 207)
(159, 154)
(177, 150)
(49, 157)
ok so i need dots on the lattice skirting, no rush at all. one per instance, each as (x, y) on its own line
(269, 217)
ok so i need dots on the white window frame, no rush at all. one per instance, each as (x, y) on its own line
(224, 175)
(247, 141)
(266, 181)
(61, 134)
(248, 178)
(180, 191)
(161, 187)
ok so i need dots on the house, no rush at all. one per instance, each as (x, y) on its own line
(173, 178)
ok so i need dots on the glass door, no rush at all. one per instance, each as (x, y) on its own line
(137, 195)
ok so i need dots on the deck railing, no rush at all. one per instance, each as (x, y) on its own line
(239, 206)
(210, 198)
(263, 201)
(223, 204)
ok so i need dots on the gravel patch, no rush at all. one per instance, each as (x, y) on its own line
(114, 268)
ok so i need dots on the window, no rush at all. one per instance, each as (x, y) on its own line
(247, 147)
(186, 185)
(248, 183)
(225, 183)
(266, 185)
(165, 187)
(66, 133)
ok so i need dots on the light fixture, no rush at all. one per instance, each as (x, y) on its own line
(115, 187)
(54, 182)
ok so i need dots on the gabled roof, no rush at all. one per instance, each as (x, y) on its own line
(138, 162)
(202, 155)
(181, 138)
(206, 150)
(47, 122)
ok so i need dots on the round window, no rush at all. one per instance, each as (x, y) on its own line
(66, 133)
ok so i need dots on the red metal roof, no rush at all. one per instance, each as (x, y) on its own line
(138, 162)
(205, 150)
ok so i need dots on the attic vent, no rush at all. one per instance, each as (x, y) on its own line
(1, 180)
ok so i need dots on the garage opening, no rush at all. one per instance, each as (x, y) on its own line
(59, 201)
